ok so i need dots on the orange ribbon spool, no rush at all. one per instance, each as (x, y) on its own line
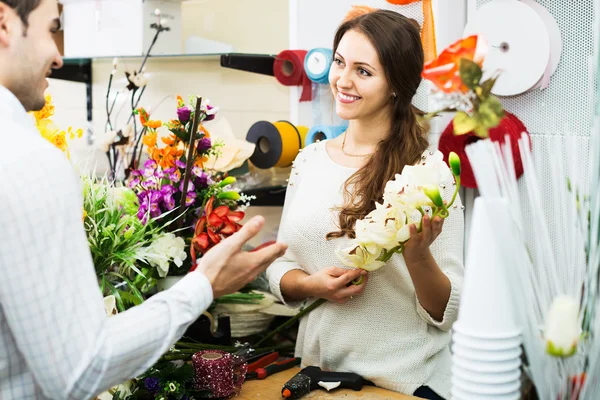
(428, 29)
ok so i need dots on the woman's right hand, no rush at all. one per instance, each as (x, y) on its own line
(335, 284)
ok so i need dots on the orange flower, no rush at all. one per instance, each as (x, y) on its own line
(146, 121)
(149, 139)
(166, 156)
(444, 70)
(174, 124)
(153, 124)
(203, 130)
(199, 162)
(170, 140)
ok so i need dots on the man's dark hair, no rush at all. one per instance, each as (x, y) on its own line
(23, 8)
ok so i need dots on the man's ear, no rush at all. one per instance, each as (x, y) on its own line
(7, 15)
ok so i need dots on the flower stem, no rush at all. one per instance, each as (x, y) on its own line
(455, 190)
(289, 322)
(190, 158)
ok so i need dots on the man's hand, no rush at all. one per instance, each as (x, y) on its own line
(229, 269)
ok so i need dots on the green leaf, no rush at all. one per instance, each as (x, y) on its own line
(490, 112)
(129, 299)
(486, 87)
(134, 290)
(117, 295)
(470, 73)
(482, 132)
(463, 123)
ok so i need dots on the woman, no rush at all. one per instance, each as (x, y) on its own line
(393, 329)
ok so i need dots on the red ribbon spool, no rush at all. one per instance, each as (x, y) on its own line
(509, 125)
(289, 71)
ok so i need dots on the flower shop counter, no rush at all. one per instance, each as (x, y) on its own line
(270, 388)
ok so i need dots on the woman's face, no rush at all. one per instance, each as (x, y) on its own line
(357, 79)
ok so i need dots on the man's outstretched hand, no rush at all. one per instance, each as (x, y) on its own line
(229, 269)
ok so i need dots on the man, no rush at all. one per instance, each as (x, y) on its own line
(55, 339)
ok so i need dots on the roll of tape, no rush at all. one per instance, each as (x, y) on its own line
(323, 132)
(521, 53)
(317, 64)
(277, 144)
(292, 143)
(302, 130)
(219, 372)
(288, 69)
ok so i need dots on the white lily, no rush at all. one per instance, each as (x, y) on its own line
(562, 330)
(361, 257)
(165, 249)
(110, 305)
(401, 194)
(381, 226)
(431, 171)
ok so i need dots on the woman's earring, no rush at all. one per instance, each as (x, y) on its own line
(394, 94)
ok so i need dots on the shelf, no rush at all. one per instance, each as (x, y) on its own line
(272, 196)
(80, 69)
(75, 70)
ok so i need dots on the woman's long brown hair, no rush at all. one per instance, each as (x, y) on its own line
(398, 45)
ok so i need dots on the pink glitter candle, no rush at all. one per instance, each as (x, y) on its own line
(220, 372)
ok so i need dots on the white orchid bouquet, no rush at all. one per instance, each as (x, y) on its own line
(385, 230)
(406, 199)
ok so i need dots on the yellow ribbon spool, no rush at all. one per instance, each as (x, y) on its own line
(292, 142)
(302, 130)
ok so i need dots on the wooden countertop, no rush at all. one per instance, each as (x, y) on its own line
(270, 389)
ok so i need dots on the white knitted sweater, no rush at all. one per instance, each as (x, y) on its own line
(384, 334)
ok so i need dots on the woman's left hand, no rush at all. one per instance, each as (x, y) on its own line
(417, 247)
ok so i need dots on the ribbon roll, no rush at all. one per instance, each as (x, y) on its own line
(323, 132)
(303, 131)
(277, 144)
(317, 64)
(219, 372)
(289, 71)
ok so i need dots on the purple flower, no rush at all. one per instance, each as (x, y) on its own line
(150, 164)
(190, 188)
(159, 173)
(204, 144)
(202, 180)
(134, 182)
(152, 385)
(209, 115)
(190, 198)
(169, 202)
(180, 163)
(197, 171)
(142, 214)
(149, 172)
(173, 174)
(149, 183)
(184, 114)
(167, 190)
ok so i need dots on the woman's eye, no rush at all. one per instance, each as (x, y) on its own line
(364, 72)
(337, 61)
